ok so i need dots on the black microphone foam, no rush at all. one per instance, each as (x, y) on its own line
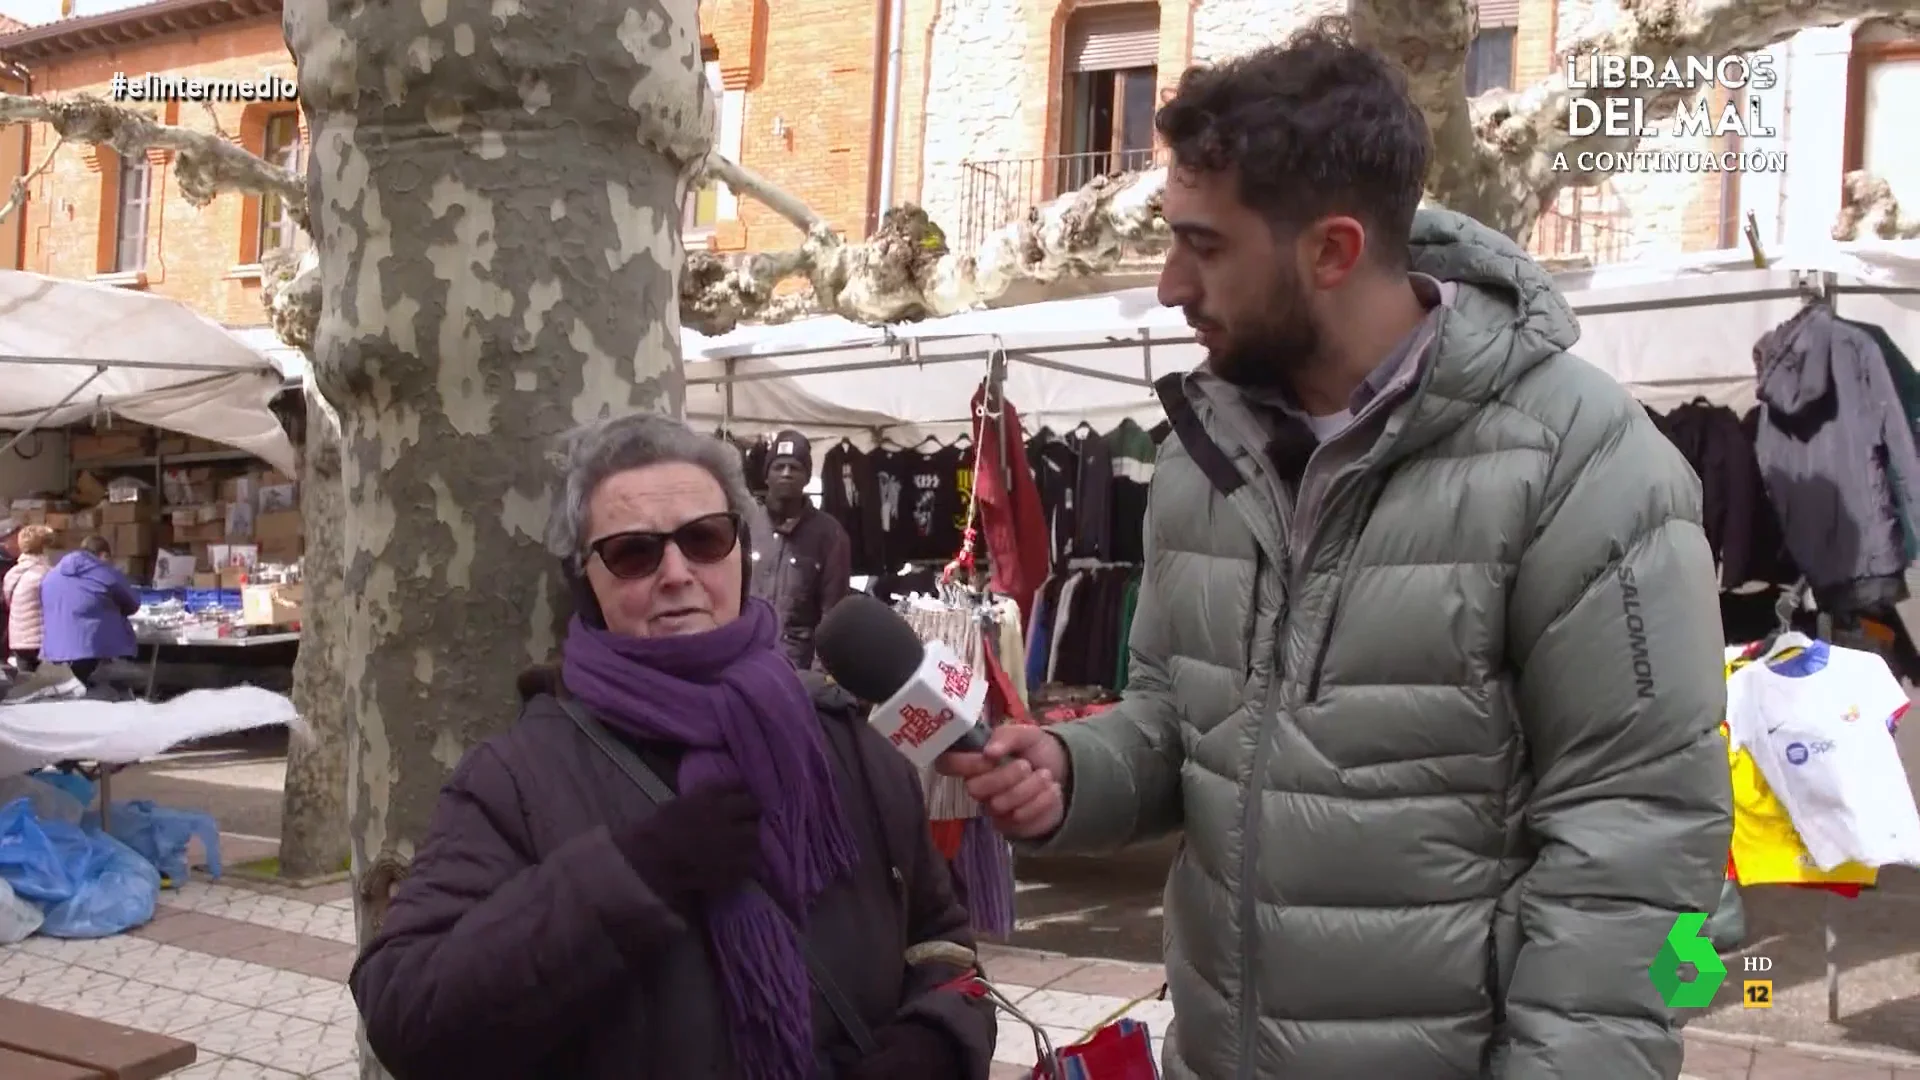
(867, 647)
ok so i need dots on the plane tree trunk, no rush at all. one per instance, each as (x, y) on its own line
(494, 193)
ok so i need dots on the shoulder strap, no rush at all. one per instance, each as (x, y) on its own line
(657, 792)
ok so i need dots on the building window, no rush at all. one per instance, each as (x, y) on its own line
(135, 190)
(280, 144)
(1110, 93)
(701, 212)
(1490, 61)
(1885, 76)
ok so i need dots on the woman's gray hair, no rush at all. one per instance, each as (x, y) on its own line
(591, 453)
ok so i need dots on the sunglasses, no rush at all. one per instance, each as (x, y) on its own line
(703, 540)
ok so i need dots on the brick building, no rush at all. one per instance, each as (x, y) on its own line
(1000, 105)
(92, 215)
(13, 152)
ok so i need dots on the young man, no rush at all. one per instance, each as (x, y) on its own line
(802, 558)
(1427, 657)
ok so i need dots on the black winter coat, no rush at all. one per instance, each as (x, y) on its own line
(523, 945)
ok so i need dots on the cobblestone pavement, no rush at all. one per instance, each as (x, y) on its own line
(256, 977)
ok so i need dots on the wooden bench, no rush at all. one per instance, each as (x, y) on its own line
(37, 1043)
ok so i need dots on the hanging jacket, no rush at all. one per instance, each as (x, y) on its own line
(1740, 523)
(1906, 383)
(84, 607)
(1012, 520)
(1835, 450)
(1444, 739)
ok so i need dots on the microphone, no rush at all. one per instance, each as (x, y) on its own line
(928, 700)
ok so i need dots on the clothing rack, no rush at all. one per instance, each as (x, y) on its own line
(1793, 600)
(982, 862)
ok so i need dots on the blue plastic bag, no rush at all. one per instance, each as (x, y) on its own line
(73, 784)
(161, 834)
(118, 890)
(31, 862)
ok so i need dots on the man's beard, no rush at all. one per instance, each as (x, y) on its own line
(1263, 353)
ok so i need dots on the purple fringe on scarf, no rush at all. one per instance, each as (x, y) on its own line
(984, 865)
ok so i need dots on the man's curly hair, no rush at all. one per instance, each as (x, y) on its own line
(1317, 125)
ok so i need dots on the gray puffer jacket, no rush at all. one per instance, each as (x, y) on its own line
(1440, 733)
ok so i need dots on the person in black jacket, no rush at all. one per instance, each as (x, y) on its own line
(802, 557)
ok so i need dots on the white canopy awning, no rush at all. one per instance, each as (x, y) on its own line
(69, 349)
(1674, 330)
(1669, 331)
(1091, 360)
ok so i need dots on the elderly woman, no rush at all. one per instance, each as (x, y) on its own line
(22, 585)
(85, 604)
(559, 923)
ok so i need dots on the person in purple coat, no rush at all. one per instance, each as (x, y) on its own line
(85, 603)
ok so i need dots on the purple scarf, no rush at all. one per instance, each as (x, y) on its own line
(734, 701)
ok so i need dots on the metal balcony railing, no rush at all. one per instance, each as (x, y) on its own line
(1000, 192)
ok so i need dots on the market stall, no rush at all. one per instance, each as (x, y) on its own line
(1668, 330)
(168, 448)
(71, 351)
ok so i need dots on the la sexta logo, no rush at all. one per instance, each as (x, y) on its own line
(1799, 753)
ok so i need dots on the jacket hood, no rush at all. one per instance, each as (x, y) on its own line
(1507, 316)
(1795, 362)
(81, 564)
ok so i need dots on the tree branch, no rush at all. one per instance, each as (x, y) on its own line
(204, 164)
(18, 196)
(1868, 209)
(907, 272)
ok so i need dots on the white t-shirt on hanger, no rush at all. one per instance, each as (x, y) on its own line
(1823, 742)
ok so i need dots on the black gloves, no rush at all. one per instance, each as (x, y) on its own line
(911, 1048)
(698, 846)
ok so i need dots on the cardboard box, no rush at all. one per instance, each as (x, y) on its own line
(233, 579)
(206, 579)
(270, 525)
(240, 489)
(83, 520)
(134, 539)
(232, 556)
(271, 605)
(127, 513)
(89, 488)
(239, 524)
(172, 570)
(279, 497)
(136, 567)
(128, 490)
(283, 552)
(109, 445)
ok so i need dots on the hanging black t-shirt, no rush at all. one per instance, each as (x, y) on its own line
(927, 489)
(1055, 473)
(1093, 499)
(755, 465)
(954, 465)
(846, 486)
(884, 521)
